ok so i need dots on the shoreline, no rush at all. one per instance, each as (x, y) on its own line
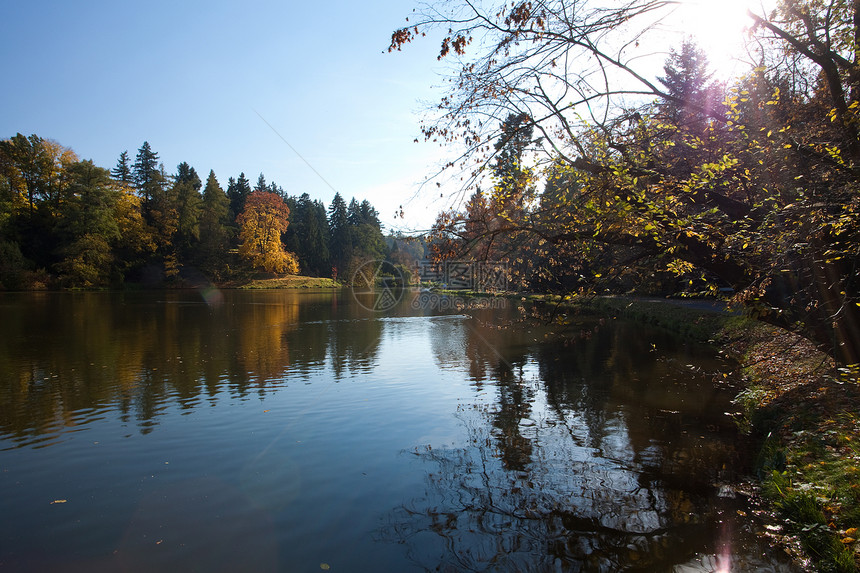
(804, 415)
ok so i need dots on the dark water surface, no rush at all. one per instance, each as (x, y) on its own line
(300, 431)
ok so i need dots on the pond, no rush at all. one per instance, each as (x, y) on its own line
(308, 431)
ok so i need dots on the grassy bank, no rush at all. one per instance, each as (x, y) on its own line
(806, 414)
(292, 281)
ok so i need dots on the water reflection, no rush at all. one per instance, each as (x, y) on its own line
(67, 357)
(279, 419)
(601, 450)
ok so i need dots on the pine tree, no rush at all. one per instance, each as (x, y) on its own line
(122, 171)
(353, 213)
(186, 199)
(147, 175)
(692, 95)
(308, 235)
(369, 215)
(261, 184)
(513, 179)
(186, 174)
(214, 230)
(277, 190)
(238, 192)
(338, 224)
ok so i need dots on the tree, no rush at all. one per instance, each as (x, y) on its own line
(308, 235)
(146, 173)
(35, 167)
(338, 224)
(691, 97)
(214, 220)
(760, 196)
(261, 224)
(185, 195)
(88, 227)
(353, 213)
(122, 171)
(261, 184)
(513, 179)
(238, 191)
(369, 215)
(277, 189)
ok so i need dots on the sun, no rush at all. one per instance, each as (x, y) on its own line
(720, 29)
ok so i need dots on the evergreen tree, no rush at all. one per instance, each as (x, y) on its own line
(261, 184)
(186, 174)
(353, 213)
(214, 229)
(122, 171)
(319, 239)
(87, 227)
(237, 192)
(309, 237)
(147, 176)
(277, 190)
(513, 178)
(338, 224)
(369, 215)
(186, 199)
(692, 95)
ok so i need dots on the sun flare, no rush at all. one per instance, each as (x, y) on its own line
(720, 28)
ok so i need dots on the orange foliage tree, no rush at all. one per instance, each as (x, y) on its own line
(265, 217)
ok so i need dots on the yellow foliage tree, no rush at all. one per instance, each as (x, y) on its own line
(261, 224)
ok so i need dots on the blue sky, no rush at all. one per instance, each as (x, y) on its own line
(192, 77)
(203, 82)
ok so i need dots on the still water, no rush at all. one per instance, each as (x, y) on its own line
(302, 431)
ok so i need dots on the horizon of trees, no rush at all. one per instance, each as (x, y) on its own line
(69, 223)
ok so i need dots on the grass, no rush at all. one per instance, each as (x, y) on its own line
(809, 461)
(290, 282)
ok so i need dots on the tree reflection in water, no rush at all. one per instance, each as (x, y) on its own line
(67, 358)
(591, 453)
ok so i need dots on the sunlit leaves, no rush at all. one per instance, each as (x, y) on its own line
(265, 217)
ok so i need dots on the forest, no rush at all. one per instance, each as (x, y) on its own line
(66, 222)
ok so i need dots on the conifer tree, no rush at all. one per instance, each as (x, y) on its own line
(214, 230)
(338, 224)
(185, 196)
(122, 171)
(146, 175)
(353, 213)
(261, 184)
(237, 192)
(692, 97)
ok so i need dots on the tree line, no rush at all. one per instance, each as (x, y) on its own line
(588, 176)
(70, 223)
